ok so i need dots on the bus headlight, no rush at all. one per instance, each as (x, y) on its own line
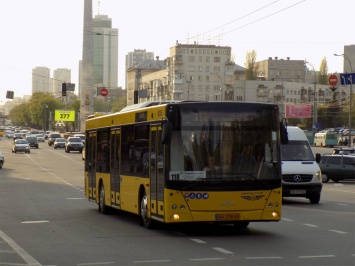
(176, 216)
(318, 176)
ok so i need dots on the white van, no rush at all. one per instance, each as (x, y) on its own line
(301, 175)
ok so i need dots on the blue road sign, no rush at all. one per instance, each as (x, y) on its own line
(347, 79)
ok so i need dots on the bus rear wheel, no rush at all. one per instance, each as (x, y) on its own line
(145, 220)
(102, 207)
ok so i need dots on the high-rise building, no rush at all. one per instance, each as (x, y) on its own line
(86, 86)
(136, 57)
(60, 75)
(41, 80)
(349, 51)
(105, 49)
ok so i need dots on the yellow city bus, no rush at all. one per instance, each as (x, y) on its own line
(151, 160)
(2, 131)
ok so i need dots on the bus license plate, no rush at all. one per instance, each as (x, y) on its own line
(228, 216)
(297, 192)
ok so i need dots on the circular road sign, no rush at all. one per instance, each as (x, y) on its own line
(333, 80)
(104, 92)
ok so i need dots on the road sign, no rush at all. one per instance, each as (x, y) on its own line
(347, 79)
(103, 91)
(333, 80)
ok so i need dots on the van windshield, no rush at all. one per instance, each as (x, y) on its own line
(297, 150)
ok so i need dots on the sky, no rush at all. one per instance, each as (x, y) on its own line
(49, 32)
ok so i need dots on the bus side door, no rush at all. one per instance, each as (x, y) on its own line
(156, 172)
(90, 165)
(115, 152)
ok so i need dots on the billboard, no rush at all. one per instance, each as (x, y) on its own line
(298, 110)
(64, 115)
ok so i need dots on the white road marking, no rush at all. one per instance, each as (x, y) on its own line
(198, 241)
(35, 222)
(224, 251)
(311, 225)
(152, 261)
(262, 258)
(20, 251)
(286, 220)
(337, 231)
(207, 259)
(316, 256)
(97, 263)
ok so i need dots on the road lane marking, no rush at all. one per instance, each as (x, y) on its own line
(262, 258)
(224, 251)
(286, 220)
(35, 222)
(316, 256)
(199, 241)
(339, 232)
(96, 263)
(207, 259)
(311, 225)
(20, 251)
(151, 261)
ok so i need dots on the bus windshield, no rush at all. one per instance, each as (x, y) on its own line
(224, 147)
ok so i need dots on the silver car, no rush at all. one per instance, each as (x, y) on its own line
(21, 145)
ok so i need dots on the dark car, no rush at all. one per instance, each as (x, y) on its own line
(52, 137)
(17, 136)
(74, 144)
(345, 151)
(59, 143)
(32, 141)
(337, 167)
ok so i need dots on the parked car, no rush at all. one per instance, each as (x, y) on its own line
(52, 137)
(40, 137)
(337, 167)
(74, 144)
(32, 141)
(2, 159)
(21, 145)
(59, 143)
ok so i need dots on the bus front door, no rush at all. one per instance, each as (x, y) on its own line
(114, 167)
(90, 165)
(156, 170)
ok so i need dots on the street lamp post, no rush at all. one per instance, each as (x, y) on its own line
(314, 101)
(45, 107)
(351, 91)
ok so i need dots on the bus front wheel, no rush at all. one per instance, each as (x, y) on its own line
(145, 220)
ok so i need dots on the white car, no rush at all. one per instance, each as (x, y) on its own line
(40, 138)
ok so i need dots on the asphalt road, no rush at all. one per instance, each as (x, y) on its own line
(46, 220)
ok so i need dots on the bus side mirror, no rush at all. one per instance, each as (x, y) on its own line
(283, 133)
(166, 134)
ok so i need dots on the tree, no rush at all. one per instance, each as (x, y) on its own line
(251, 66)
(119, 104)
(323, 72)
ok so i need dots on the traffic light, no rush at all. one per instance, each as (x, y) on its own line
(64, 89)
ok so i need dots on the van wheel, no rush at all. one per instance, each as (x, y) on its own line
(314, 199)
(325, 178)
